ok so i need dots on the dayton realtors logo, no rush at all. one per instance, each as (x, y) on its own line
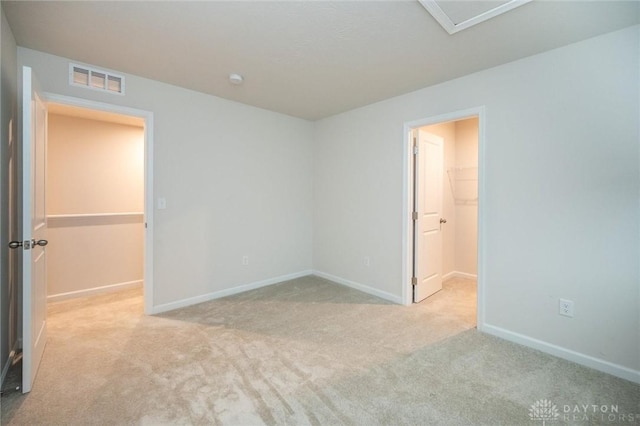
(546, 411)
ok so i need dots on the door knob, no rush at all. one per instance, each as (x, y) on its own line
(28, 244)
(15, 244)
(442, 220)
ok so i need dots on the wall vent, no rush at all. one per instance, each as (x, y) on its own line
(80, 75)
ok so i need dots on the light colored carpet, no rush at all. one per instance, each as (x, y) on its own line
(306, 351)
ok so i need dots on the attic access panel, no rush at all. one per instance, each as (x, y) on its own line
(456, 16)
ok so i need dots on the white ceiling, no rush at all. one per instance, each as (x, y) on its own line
(309, 59)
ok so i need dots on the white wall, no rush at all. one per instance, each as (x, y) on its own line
(561, 202)
(93, 168)
(236, 180)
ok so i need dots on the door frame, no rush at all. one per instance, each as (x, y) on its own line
(147, 116)
(408, 194)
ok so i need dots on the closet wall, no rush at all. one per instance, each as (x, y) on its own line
(95, 204)
(465, 181)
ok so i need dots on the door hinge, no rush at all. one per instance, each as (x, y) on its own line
(414, 281)
(415, 146)
(414, 215)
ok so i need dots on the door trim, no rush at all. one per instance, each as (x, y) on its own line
(147, 116)
(407, 202)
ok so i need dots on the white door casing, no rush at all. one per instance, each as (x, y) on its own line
(34, 229)
(428, 206)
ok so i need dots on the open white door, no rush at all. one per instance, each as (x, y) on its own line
(428, 219)
(34, 229)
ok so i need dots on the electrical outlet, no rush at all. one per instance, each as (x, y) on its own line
(367, 261)
(565, 308)
(245, 260)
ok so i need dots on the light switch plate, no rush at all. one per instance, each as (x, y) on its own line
(162, 203)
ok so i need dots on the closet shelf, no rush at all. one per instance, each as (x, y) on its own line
(92, 219)
(88, 215)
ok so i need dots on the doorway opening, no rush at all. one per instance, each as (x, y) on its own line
(94, 202)
(443, 206)
(99, 199)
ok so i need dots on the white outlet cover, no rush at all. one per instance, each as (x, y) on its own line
(565, 308)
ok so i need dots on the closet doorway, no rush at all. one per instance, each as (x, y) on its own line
(95, 201)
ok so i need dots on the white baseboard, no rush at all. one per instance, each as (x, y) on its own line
(227, 292)
(93, 291)
(458, 274)
(362, 287)
(573, 356)
(7, 364)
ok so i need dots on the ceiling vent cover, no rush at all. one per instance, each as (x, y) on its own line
(80, 75)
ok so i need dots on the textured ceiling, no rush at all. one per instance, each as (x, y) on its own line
(309, 59)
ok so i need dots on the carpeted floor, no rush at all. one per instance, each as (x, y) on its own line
(306, 351)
